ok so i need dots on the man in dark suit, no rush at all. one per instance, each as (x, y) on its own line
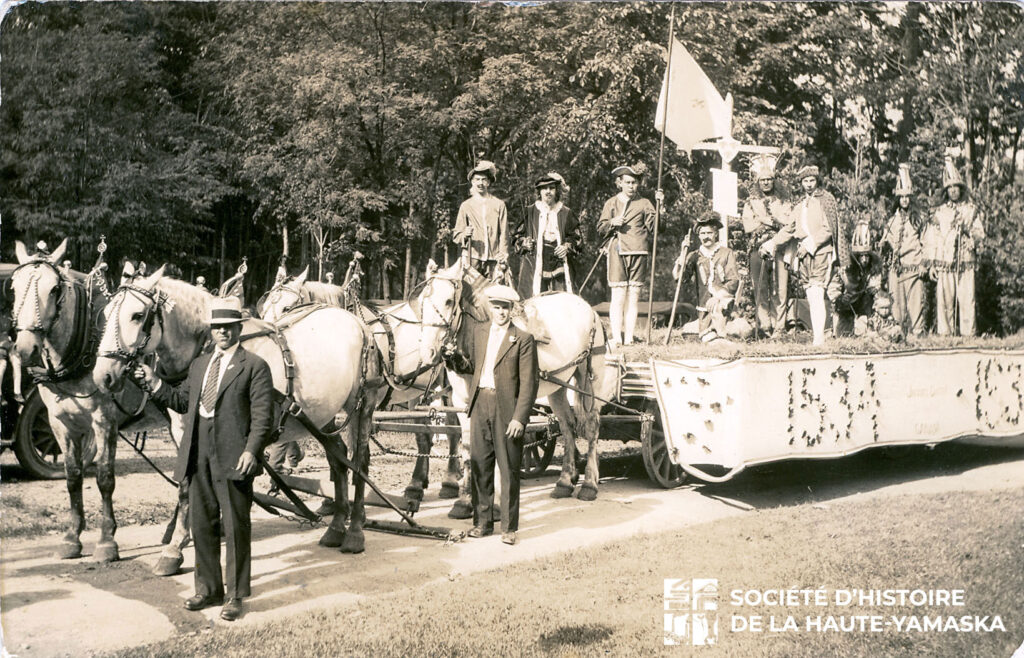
(228, 401)
(503, 362)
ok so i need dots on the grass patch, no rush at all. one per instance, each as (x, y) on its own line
(607, 600)
(18, 519)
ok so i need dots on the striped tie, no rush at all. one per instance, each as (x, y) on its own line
(209, 399)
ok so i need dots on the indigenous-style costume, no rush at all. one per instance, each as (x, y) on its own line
(817, 228)
(716, 279)
(627, 247)
(863, 281)
(949, 244)
(885, 327)
(763, 216)
(903, 234)
(543, 230)
(484, 222)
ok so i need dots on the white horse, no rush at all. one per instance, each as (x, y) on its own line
(329, 347)
(573, 350)
(398, 333)
(56, 321)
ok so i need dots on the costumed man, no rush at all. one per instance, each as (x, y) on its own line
(862, 280)
(903, 251)
(228, 402)
(627, 225)
(764, 214)
(502, 360)
(715, 275)
(949, 246)
(547, 239)
(820, 237)
(482, 224)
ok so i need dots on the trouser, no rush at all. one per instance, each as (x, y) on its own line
(770, 278)
(488, 445)
(212, 498)
(954, 294)
(908, 301)
(712, 320)
(283, 452)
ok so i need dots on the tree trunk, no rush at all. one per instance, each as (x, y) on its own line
(223, 250)
(407, 283)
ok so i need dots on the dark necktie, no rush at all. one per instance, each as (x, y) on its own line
(209, 398)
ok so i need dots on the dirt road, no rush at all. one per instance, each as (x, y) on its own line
(55, 608)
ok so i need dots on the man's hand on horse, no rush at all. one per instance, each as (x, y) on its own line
(515, 430)
(143, 372)
(246, 463)
(448, 349)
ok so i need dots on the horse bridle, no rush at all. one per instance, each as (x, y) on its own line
(32, 287)
(154, 302)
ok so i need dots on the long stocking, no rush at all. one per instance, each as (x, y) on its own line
(632, 310)
(615, 311)
(816, 302)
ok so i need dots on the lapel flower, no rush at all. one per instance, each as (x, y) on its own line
(512, 339)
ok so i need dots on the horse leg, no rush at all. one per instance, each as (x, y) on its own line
(171, 557)
(106, 436)
(566, 422)
(420, 474)
(71, 546)
(589, 427)
(463, 507)
(450, 486)
(335, 533)
(355, 540)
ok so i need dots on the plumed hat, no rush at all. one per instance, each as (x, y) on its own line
(950, 176)
(485, 167)
(763, 166)
(636, 171)
(903, 184)
(860, 241)
(711, 220)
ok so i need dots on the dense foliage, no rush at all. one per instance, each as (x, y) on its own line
(201, 133)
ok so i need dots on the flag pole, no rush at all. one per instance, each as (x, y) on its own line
(661, 156)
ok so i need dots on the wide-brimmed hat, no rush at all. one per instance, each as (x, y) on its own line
(808, 170)
(904, 187)
(501, 293)
(550, 178)
(636, 171)
(225, 310)
(712, 220)
(485, 167)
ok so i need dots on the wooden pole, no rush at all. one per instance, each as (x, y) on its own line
(661, 157)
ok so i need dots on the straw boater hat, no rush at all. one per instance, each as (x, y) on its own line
(485, 167)
(500, 293)
(950, 176)
(225, 310)
(763, 166)
(903, 184)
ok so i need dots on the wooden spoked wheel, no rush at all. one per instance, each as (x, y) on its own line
(654, 450)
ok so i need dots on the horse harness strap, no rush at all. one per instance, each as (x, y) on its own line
(80, 354)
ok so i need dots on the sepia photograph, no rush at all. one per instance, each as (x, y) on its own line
(523, 328)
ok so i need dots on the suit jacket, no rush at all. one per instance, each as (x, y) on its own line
(242, 417)
(515, 369)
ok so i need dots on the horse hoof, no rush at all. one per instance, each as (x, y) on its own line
(412, 506)
(561, 491)
(414, 493)
(588, 493)
(327, 508)
(332, 538)
(461, 510)
(69, 550)
(107, 552)
(449, 490)
(354, 542)
(168, 566)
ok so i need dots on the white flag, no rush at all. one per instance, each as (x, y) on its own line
(696, 110)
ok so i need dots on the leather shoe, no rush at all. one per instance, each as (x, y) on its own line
(200, 601)
(509, 537)
(232, 610)
(480, 531)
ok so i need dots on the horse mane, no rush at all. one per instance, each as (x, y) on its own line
(191, 304)
(325, 293)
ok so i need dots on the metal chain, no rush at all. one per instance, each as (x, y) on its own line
(420, 455)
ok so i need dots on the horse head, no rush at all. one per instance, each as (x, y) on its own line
(38, 292)
(440, 310)
(133, 330)
(286, 294)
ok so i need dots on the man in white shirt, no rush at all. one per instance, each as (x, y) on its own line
(503, 361)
